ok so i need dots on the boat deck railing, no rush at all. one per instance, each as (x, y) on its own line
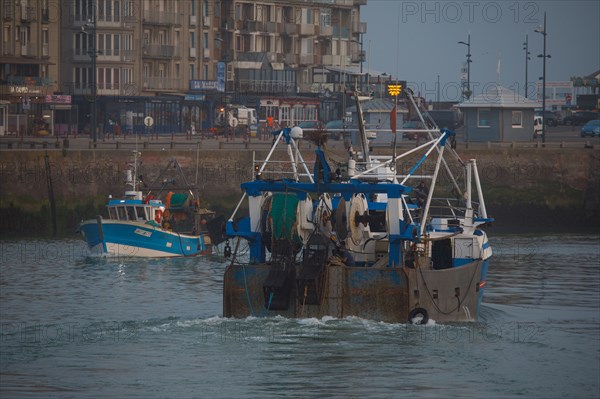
(443, 208)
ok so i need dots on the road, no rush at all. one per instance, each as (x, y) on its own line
(570, 135)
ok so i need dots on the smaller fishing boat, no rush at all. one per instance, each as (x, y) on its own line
(144, 225)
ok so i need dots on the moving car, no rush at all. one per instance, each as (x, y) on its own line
(592, 128)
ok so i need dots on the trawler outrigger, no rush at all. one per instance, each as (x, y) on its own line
(415, 254)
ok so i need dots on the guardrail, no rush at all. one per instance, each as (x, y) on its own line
(179, 143)
(83, 144)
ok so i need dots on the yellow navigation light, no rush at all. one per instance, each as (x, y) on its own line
(394, 90)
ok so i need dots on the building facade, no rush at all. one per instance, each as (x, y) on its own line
(176, 61)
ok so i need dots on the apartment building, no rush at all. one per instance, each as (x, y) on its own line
(29, 65)
(180, 60)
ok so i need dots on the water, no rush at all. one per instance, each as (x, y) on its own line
(79, 327)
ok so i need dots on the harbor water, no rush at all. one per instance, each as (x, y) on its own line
(75, 326)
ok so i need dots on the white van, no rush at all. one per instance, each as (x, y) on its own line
(538, 122)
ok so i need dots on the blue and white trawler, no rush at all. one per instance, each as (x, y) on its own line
(408, 254)
(142, 225)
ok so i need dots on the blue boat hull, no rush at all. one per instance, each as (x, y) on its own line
(139, 239)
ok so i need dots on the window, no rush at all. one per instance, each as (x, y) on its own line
(112, 213)
(205, 72)
(131, 213)
(517, 119)
(116, 44)
(45, 42)
(192, 39)
(206, 40)
(483, 117)
(117, 11)
(6, 34)
(141, 214)
(191, 71)
(193, 7)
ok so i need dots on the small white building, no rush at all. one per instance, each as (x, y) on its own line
(498, 114)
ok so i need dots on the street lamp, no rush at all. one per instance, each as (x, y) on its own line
(544, 33)
(467, 93)
(527, 58)
(93, 53)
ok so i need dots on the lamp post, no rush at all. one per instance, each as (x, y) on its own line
(527, 58)
(467, 93)
(544, 33)
(93, 53)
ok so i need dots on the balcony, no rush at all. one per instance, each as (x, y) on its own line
(45, 50)
(359, 56)
(290, 29)
(153, 17)
(336, 60)
(266, 86)
(161, 83)
(275, 57)
(29, 50)
(307, 59)
(326, 31)
(158, 51)
(291, 59)
(128, 55)
(273, 27)
(192, 52)
(193, 20)
(254, 26)
(207, 21)
(28, 81)
(206, 53)
(359, 27)
(307, 30)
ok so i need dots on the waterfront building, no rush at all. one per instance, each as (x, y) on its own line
(176, 61)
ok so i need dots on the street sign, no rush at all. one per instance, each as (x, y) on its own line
(148, 121)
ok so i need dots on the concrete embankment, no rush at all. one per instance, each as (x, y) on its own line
(527, 190)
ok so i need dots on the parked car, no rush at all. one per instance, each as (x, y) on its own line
(448, 119)
(311, 125)
(551, 118)
(538, 121)
(335, 128)
(592, 128)
(580, 118)
(413, 135)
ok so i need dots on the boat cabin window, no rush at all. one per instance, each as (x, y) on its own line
(141, 215)
(131, 213)
(112, 213)
(122, 213)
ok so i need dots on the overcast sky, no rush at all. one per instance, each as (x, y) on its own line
(417, 41)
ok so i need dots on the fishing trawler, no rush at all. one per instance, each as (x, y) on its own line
(355, 237)
(144, 225)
